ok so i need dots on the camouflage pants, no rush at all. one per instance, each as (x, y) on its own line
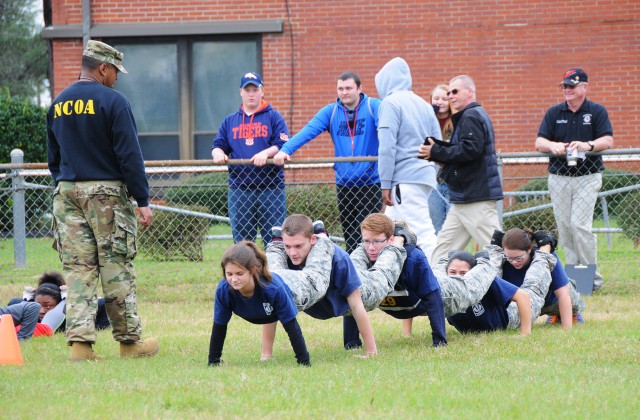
(577, 304)
(94, 226)
(310, 284)
(379, 279)
(536, 284)
(459, 293)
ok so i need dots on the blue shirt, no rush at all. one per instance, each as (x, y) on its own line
(490, 313)
(516, 276)
(270, 303)
(333, 118)
(344, 280)
(241, 136)
(415, 283)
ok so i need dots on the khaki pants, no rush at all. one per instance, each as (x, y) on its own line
(574, 199)
(466, 221)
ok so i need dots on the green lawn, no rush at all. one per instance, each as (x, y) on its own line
(592, 371)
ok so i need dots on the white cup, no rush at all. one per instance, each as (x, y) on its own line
(572, 157)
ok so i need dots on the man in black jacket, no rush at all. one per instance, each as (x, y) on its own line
(470, 170)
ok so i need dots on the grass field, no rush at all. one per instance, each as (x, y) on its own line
(592, 371)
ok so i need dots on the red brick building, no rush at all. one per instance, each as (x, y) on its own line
(185, 58)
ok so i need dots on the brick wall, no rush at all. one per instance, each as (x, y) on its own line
(516, 52)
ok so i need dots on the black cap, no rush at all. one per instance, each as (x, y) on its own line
(574, 76)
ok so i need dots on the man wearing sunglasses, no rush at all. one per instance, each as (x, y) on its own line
(469, 169)
(583, 126)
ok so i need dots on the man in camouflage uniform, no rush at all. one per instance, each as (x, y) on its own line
(95, 159)
(320, 274)
(399, 283)
(309, 284)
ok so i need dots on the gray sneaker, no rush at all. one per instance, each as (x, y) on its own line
(402, 229)
(318, 228)
(276, 233)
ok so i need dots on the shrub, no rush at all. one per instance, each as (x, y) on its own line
(174, 236)
(628, 217)
(22, 126)
(542, 219)
(317, 202)
(208, 190)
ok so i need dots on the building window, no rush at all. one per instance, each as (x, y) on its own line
(181, 89)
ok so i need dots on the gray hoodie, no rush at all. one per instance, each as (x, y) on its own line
(405, 120)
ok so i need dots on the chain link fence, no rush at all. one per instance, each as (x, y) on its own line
(190, 200)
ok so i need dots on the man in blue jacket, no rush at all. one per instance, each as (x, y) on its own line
(469, 169)
(352, 123)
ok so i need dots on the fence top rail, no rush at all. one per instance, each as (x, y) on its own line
(531, 157)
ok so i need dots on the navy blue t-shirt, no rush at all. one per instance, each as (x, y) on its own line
(270, 303)
(516, 276)
(490, 313)
(415, 283)
(344, 280)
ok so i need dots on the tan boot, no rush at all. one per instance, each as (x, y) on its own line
(148, 347)
(81, 351)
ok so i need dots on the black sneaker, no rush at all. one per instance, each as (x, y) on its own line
(402, 229)
(496, 239)
(318, 228)
(543, 237)
(276, 233)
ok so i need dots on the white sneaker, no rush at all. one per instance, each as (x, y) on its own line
(29, 294)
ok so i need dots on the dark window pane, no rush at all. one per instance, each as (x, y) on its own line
(151, 85)
(217, 69)
(202, 149)
(160, 147)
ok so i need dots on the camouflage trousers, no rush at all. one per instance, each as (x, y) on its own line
(536, 285)
(94, 227)
(577, 304)
(378, 279)
(459, 293)
(310, 284)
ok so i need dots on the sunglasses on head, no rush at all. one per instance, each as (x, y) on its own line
(453, 92)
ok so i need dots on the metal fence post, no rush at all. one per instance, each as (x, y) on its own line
(19, 226)
(500, 203)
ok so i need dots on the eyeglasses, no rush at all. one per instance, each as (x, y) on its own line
(453, 92)
(516, 259)
(378, 242)
(571, 87)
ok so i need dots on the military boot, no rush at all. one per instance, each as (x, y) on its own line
(148, 347)
(81, 351)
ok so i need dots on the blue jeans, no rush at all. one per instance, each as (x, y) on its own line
(439, 206)
(253, 209)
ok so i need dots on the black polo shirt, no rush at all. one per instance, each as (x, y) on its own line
(560, 124)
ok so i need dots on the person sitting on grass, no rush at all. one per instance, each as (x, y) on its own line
(414, 291)
(51, 295)
(562, 301)
(250, 291)
(291, 256)
(25, 317)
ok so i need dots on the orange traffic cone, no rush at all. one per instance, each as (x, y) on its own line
(9, 347)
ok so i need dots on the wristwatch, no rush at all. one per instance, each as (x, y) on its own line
(591, 144)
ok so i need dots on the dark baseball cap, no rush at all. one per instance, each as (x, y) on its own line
(105, 53)
(573, 76)
(251, 78)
